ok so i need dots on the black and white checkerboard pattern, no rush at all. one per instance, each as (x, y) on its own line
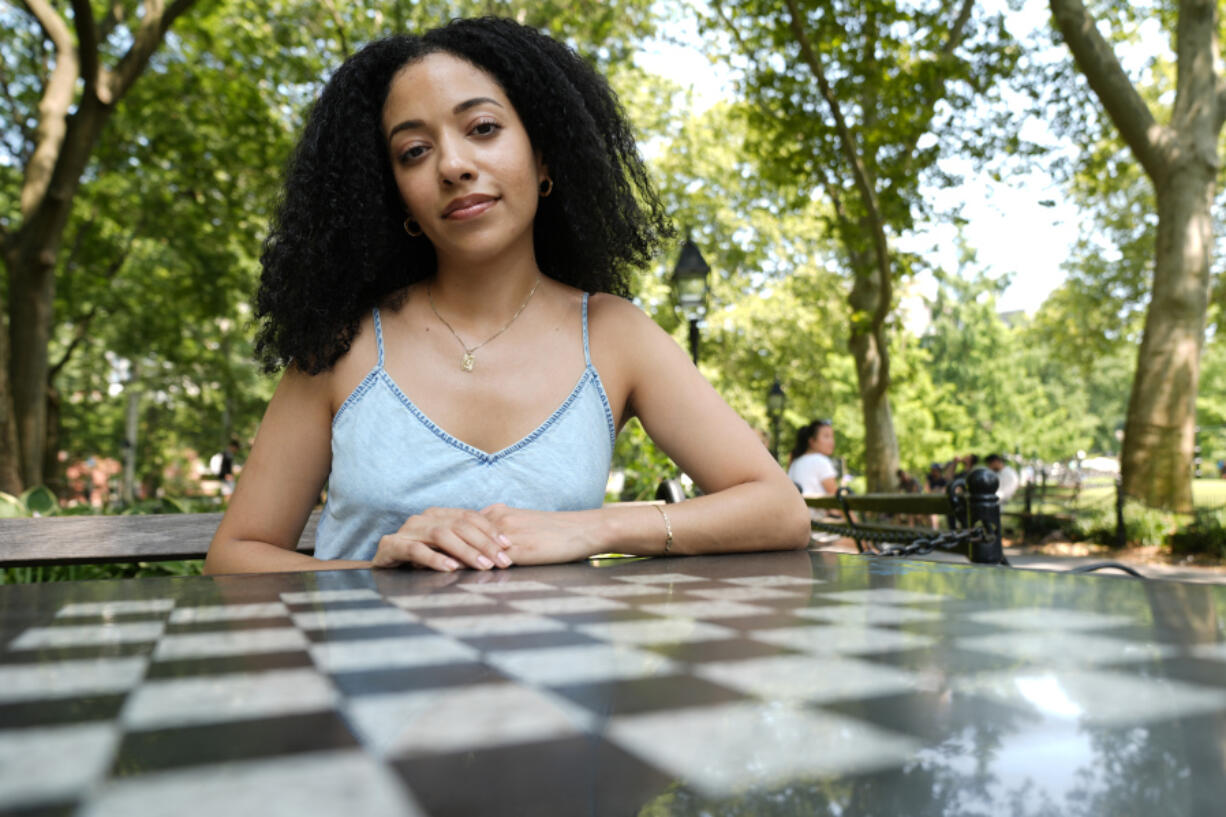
(511, 693)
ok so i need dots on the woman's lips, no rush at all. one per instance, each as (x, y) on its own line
(468, 210)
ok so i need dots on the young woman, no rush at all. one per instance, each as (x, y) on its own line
(812, 468)
(453, 201)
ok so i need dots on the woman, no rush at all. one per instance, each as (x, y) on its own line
(812, 469)
(454, 199)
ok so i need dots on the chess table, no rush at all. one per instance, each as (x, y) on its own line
(776, 684)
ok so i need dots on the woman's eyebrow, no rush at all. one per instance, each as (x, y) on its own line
(413, 124)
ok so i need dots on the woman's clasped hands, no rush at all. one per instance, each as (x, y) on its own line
(446, 539)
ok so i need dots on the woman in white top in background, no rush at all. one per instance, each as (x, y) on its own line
(812, 468)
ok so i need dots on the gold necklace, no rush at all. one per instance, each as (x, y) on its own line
(467, 362)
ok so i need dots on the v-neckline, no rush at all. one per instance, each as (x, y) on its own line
(480, 453)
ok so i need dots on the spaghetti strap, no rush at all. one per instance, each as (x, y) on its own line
(379, 335)
(587, 352)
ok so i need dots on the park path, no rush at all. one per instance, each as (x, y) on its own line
(1029, 558)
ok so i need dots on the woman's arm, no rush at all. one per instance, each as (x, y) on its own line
(749, 503)
(281, 482)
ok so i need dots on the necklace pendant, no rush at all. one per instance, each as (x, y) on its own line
(467, 362)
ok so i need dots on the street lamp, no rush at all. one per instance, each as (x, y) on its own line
(775, 401)
(690, 289)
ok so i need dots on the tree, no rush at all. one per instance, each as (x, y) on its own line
(78, 96)
(1181, 160)
(853, 101)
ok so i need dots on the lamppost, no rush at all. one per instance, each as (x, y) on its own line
(690, 289)
(775, 401)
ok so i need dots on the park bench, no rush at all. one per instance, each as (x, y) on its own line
(65, 540)
(969, 505)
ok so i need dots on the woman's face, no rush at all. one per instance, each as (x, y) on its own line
(823, 441)
(461, 158)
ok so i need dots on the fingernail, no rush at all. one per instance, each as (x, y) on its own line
(484, 562)
(451, 564)
(503, 559)
(506, 541)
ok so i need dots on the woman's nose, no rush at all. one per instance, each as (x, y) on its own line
(455, 162)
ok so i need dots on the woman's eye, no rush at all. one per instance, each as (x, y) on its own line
(412, 152)
(486, 127)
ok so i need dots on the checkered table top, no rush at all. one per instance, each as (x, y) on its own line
(790, 683)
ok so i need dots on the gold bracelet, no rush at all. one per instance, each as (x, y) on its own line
(668, 528)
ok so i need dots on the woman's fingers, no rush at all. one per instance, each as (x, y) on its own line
(445, 539)
(397, 549)
(468, 545)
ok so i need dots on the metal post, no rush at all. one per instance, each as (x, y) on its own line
(694, 340)
(775, 437)
(131, 428)
(1121, 532)
(981, 484)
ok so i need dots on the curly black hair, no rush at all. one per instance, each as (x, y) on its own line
(337, 246)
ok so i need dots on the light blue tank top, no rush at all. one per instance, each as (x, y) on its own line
(389, 461)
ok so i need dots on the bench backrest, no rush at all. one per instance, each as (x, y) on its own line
(61, 540)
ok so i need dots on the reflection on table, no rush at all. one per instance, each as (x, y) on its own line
(790, 683)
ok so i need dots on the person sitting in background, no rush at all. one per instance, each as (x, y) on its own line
(1009, 480)
(936, 478)
(813, 470)
(811, 466)
(907, 484)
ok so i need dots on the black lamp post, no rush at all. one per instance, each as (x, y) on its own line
(775, 401)
(690, 289)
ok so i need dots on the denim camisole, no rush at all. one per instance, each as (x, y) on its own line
(390, 461)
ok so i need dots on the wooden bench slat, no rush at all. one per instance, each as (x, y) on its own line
(65, 540)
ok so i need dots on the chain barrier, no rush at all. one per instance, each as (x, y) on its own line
(919, 543)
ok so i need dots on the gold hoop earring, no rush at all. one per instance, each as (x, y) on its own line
(546, 187)
(412, 227)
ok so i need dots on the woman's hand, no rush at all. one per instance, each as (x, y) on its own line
(446, 539)
(545, 537)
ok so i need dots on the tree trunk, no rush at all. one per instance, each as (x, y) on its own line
(872, 358)
(1159, 436)
(880, 441)
(31, 269)
(10, 472)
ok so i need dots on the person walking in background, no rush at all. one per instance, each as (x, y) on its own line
(225, 470)
(1009, 480)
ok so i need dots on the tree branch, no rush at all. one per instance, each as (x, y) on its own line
(52, 107)
(87, 43)
(859, 174)
(1150, 142)
(957, 32)
(80, 330)
(51, 23)
(732, 29)
(340, 27)
(153, 26)
(114, 16)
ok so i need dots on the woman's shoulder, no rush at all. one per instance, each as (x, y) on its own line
(353, 366)
(621, 322)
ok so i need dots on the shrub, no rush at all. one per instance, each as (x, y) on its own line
(1142, 525)
(1206, 533)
